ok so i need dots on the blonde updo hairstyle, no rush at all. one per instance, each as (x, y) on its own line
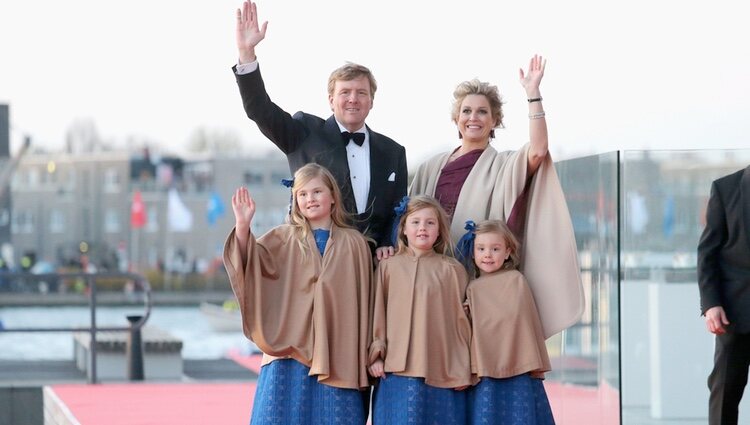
(479, 88)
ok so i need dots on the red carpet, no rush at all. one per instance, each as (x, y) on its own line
(202, 404)
(578, 405)
(158, 404)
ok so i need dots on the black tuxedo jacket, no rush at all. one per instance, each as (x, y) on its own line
(724, 250)
(305, 138)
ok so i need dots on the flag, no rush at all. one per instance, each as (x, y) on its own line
(668, 221)
(214, 208)
(637, 212)
(137, 211)
(179, 217)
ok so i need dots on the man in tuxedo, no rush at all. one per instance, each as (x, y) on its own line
(724, 282)
(369, 167)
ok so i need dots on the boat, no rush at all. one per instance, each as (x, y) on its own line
(222, 318)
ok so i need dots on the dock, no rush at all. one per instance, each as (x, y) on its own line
(211, 391)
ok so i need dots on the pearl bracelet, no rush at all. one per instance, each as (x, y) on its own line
(536, 115)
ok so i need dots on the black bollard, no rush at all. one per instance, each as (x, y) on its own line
(134, 350)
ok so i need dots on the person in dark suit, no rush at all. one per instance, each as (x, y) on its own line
(724, 282)
(369, 167)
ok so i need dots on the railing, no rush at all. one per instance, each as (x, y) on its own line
(135, 353)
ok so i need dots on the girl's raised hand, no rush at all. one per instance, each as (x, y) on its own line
(243, 207)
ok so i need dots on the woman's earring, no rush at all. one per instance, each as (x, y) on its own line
(492, 133)
(460, 136)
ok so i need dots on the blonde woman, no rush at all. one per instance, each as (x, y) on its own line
(477, 181)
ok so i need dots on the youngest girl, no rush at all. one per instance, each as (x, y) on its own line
(421, 334)
(507, 346)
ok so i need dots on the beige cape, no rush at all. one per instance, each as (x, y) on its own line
(419, 326)
(300, 305)
(550, 257)
(507, 338)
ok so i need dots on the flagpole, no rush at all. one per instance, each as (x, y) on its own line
(167, 260)
(135, 248)
(179, 219)
(137, 221)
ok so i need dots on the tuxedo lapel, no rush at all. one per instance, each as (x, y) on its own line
(745, 203)
(378, 175)
(338, 156)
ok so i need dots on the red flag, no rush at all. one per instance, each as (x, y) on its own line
(137, 211)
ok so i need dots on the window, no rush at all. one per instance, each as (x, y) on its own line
(56, 221)
(34, 177)
(253, 178)
(111, 221)
(23, 222)
(152, 220)
(111, 180)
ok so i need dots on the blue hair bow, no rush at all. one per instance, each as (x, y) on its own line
(289, 183)
(465, 245)
(397, 213)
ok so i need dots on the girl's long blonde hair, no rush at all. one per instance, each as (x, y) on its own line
(339, 216)
(443, 244)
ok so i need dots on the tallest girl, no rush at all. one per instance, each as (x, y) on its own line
(477, 182)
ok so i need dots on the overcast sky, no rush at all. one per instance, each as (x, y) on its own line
(626, 75)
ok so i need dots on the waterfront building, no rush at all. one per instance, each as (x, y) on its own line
(65, 205)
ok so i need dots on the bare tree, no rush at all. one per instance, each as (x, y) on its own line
(214, 140)
(83, 136)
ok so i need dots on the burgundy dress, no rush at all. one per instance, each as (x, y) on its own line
(452, 178)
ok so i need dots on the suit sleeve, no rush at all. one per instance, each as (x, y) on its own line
(281, 128)
(713, 238)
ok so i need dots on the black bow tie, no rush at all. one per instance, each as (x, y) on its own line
(358, 138)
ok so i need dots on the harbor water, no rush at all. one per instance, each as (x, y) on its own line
(187, 323)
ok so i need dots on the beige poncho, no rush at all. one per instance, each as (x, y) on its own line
(550, 257)
(507, 338)
(420, 328)
(306, 307)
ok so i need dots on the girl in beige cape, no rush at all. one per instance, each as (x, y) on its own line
(303, 290)
(420, 346)
(508, 354)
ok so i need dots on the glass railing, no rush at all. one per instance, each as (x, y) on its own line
(584, 386)
(641, 353)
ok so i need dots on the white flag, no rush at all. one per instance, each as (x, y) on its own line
(179, 217)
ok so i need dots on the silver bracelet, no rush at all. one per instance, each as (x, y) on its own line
(536, 115)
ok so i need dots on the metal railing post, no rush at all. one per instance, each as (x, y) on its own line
(134, 350)
(92, 344)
